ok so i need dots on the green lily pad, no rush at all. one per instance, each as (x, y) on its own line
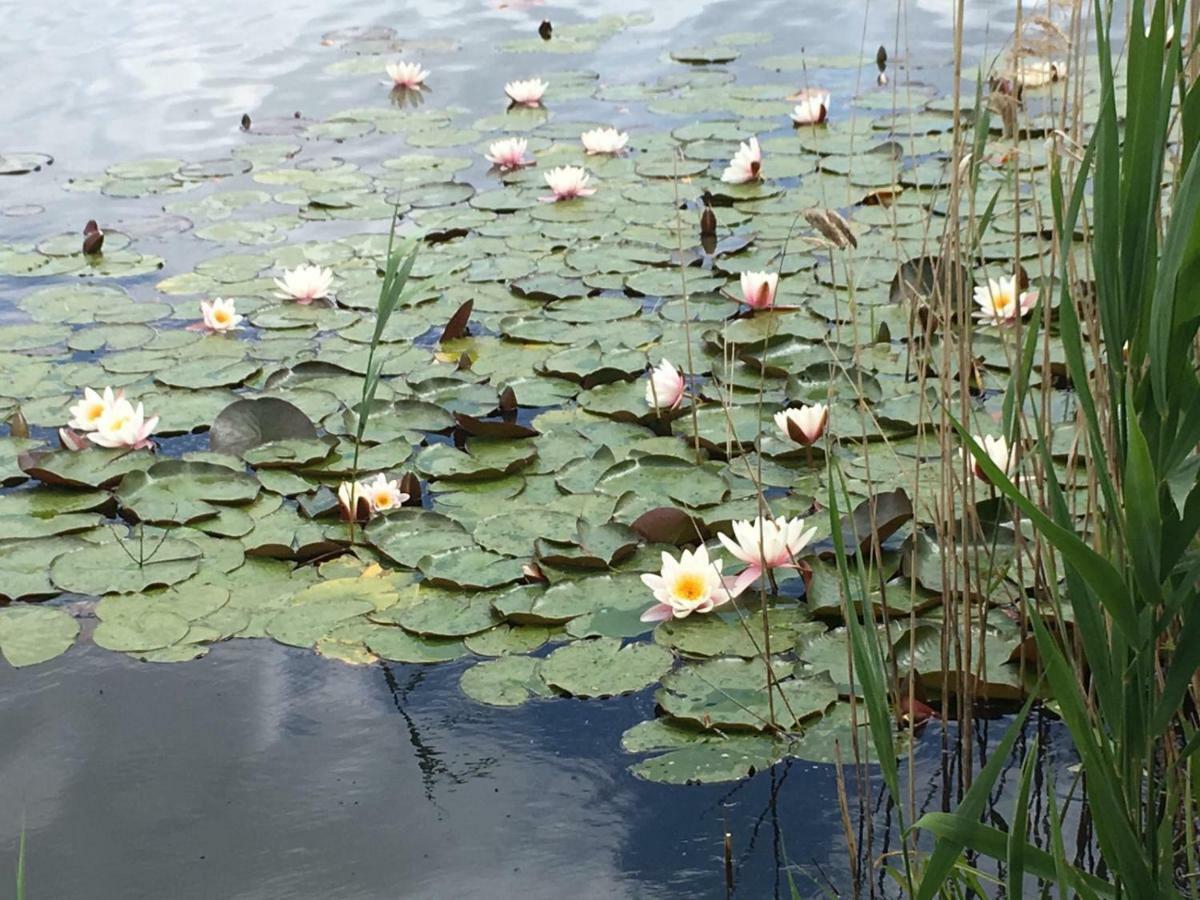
(34, 634)
(602, 667)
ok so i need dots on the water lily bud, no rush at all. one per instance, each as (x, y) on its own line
(881, 58)
(410, 485)
(508, 400)
(545, 30)
(17, 426)
(93, 243)
(245, 121)
(708, 222)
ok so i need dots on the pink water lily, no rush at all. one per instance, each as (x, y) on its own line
(567, 183)
(999, 302)
(746, 164)
(690, 584)
(665, 387)
(763, 545)
(407, 75)
(124, 425)
(604, 141)
(508, 153)
(812, 107)
(526, 93)
(805, 425)
(758, 289)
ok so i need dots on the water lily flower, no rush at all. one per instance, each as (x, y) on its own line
(997, 450)
(567, 183)
(604, 140)
(758, 289)
(508, 153)
(304, 284)
(805, 425)
(746, 164)
(220, 315)
(691, 584)
(408, 75)
(812, 108)
(353, 502)
(665, 387)
(383, 495)
(999, 303)
(526, 93)
(87, 413)
(124, 425)
(765, 544)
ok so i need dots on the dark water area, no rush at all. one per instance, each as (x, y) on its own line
(263, 771)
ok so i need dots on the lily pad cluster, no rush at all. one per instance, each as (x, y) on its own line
(549, 485)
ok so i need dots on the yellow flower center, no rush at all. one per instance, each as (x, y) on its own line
(689, 587)
(221, 316)
(118, 423)
(382, 500)
(94, 412)
(1002, 301)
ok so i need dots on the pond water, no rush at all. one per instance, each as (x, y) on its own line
(264, 771)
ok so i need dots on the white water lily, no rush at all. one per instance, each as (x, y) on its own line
(690, 584)
(305, 284)
(353, 502)
(758, 289)
(527, 92)
(665, 387)
(604, 140)
(382, 494)
(87, 413)
(220, 315)
(1039, 73)
(567, 183)
(766, 544)
(812, 107)
(997, 450)
(124, 425)
(999, 302)
(407, 74)
(508, 153)
(805, 425)
(746, 164)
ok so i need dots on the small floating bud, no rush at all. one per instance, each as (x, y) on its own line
(545, 30)
(708, 222)
(245, 121)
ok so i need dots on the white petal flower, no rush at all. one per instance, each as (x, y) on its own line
(567, 183)
(604, 140)
(746, 164)
(997, 450)
(87, 413)
(766, 544)
(305, 283)
(508, 153)
(805, 425)
(528, 92)
(812, 108)
(124, 425)
(407, 74)
(999, 302)
(691, 584)
(220, 315)
(665, 387)
(382, 494)
(758, 289)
